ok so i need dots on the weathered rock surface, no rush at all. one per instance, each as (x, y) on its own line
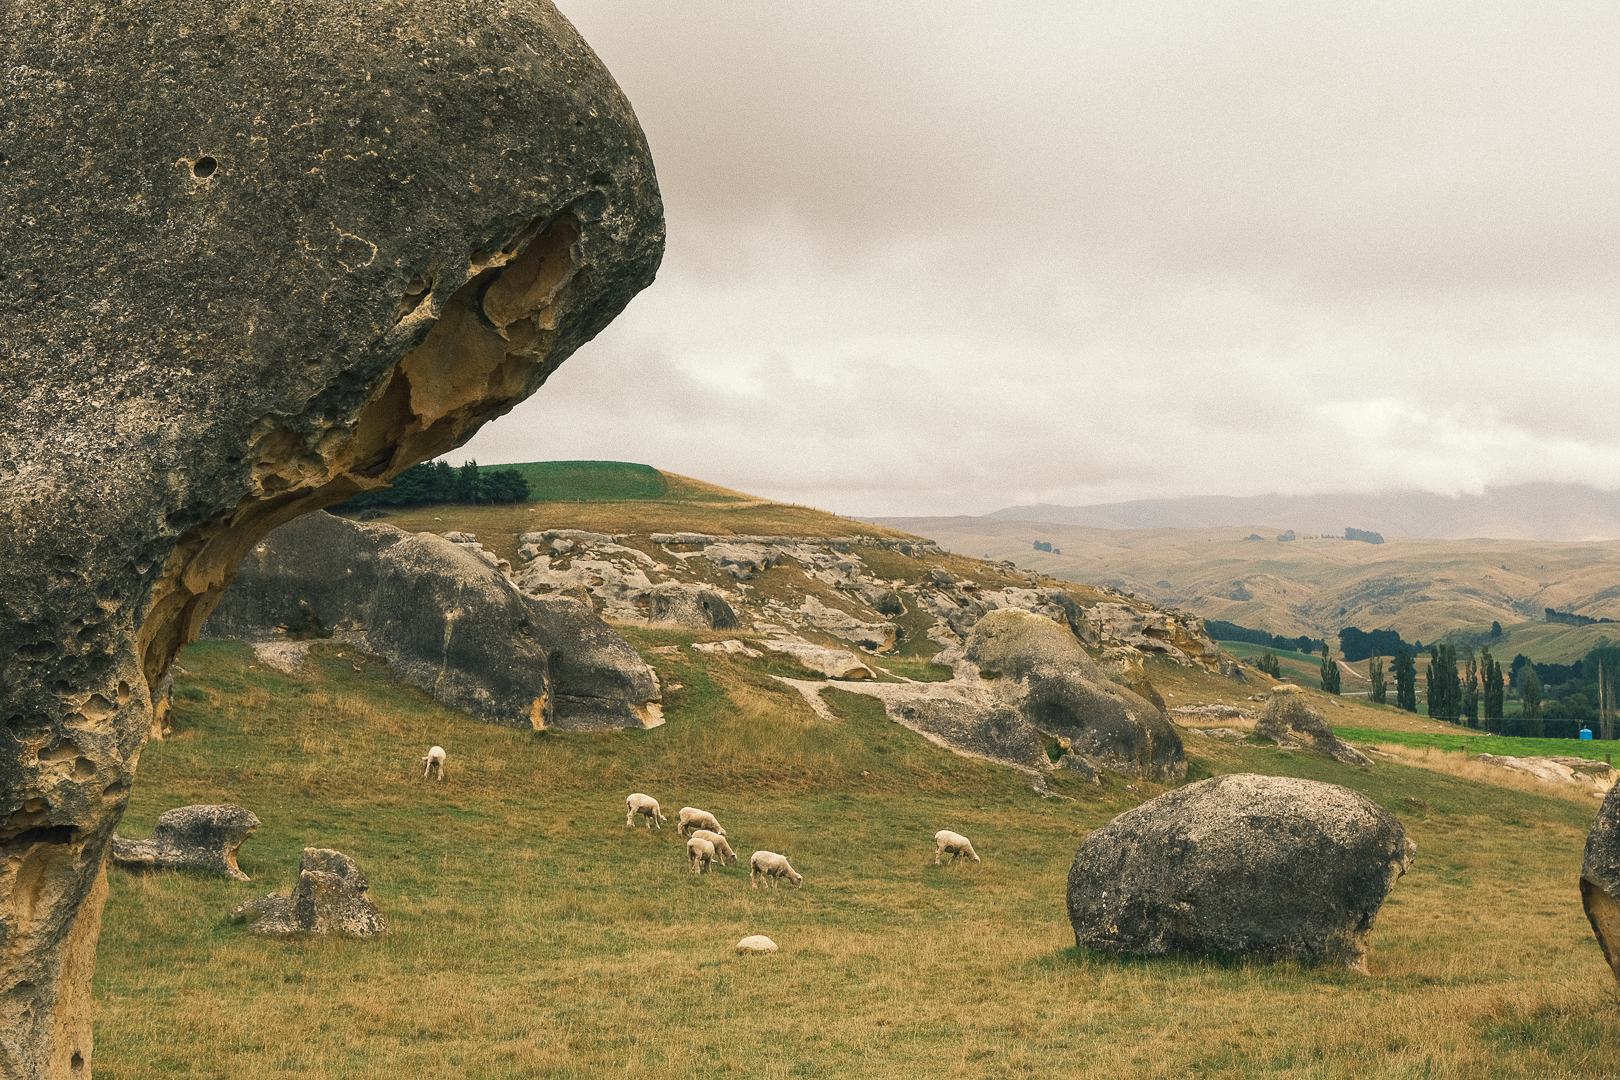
(1267, 865)
(204, 838)
(446, 620)
(835, 663)
(1600, 879)
(330, 898)
(757, 943)
(1595, 776)
(257, 258)
(1060, 691)
(1289, 720)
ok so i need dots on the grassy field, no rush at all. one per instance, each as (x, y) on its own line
(533, 935)
(591, 481)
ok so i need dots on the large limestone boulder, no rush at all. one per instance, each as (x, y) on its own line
(446, 620)
(257, 258)
(204, 838)
(1267, 865)
(329, 898)
(1289, 720)
(1060, 691)
(1600, 879)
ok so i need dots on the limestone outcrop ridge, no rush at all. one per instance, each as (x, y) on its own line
(446, 619)
(257, 258)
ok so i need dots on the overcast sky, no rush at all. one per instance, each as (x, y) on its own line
(944, 258)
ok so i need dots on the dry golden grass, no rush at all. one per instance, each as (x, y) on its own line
(533, 935)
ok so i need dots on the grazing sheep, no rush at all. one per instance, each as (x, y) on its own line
(772, 867)
(954, 843)
(701, 852)
(693, 818)
(433, 761)
(722, 849)
(647, 807)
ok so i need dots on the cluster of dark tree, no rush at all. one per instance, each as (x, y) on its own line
(1581, 692)
(1330, 673)
(1475, 697)
(440, 482)
(1268, 663)
(1046, 545)
(1359, 644)
(1569, 618)
(1225, 631)
(1405, 672)
(1363, 535)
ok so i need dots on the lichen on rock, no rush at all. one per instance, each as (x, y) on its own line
(1265, 865)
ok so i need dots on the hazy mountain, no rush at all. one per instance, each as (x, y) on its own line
(1315, 584)
(1517, 512)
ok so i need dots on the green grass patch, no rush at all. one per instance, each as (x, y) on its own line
(591, 481)
(1484, 743)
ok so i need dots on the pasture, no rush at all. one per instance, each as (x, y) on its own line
(533, 935)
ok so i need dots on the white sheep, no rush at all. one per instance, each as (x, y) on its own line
(722, 849)
(955, 844)
(701, 852)
(434, 762)
(647, 807)
(694, 819)
(772, 867)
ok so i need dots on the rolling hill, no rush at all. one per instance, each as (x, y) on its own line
(1423, 588)
(532, 934)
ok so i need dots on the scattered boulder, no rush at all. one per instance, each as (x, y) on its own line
(1060, 691)
(1596, 776)
(691, 607)
(330, 898)
(1265, 865)
(757, 944)
(833, 663)
(446, 621)
(729, 647)
(1600, 879)
(204, 838)
(1289, 720)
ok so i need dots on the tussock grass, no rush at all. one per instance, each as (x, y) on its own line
(533, 935)
(1462, 764)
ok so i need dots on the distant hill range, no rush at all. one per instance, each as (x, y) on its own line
(1516, 512)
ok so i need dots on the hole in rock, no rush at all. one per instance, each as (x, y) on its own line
(77, 1064)
(62, 751)
(123, 692)
(204, 167)
(416, 291)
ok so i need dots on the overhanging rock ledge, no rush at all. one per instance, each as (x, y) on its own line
(253, 259)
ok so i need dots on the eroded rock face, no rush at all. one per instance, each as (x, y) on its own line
(329, 898)
(1289, 720)
(1060, 691)
(446, 620)
(204, 838)
(257, 258)
(1270, 865)
(1600, 879)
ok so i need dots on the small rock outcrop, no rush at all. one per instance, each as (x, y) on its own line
(329, 898)
(1289, 720)
(1600, 879)
(1266, 865)
(299, 249)
(446, 620)
(1060, 691)
(758, 944)
(204, 838)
